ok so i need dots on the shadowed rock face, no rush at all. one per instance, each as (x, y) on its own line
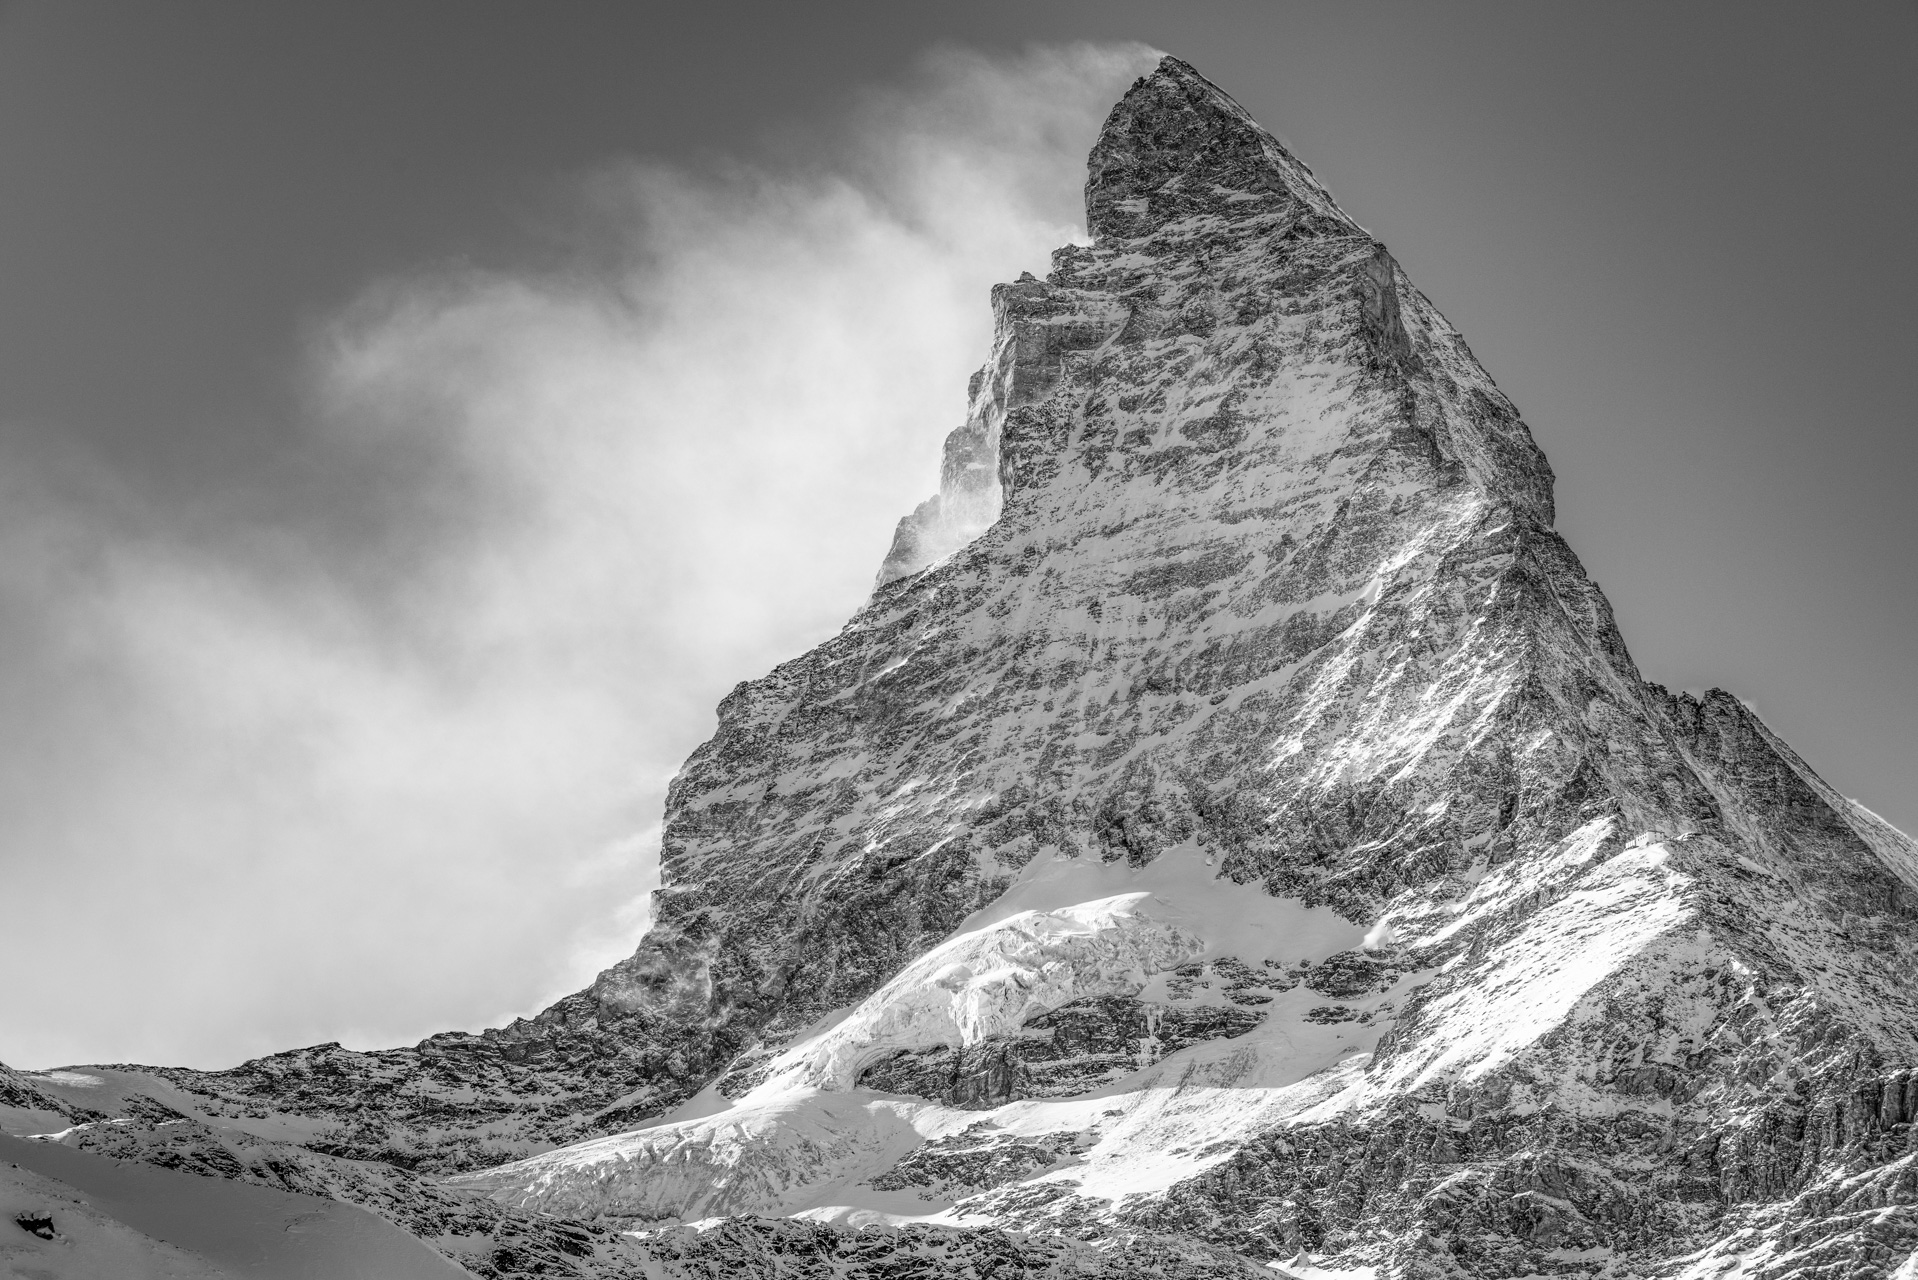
(1239, 558)
(1176, 147)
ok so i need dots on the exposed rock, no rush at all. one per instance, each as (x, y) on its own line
(760, 1248)
(1061, 1052)
(36, 1224)
(977, 1159)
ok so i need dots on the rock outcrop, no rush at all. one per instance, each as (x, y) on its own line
(1233, 830)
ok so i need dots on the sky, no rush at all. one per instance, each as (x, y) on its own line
(415, 417)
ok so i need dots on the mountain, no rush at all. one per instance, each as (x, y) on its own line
(1233, 833)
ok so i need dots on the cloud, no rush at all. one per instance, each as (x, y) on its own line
(375, 743)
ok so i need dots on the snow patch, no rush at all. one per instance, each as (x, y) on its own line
(1304, 1266)
(806, 1139)
(1186, 889)
(989, 982)
(1523, 988)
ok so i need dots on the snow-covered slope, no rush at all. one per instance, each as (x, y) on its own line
(62, 1237)
(88, 1217)
(1234, 829)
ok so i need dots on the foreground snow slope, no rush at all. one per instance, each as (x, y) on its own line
(1235, 828)
(62, 1237)
(113, 1219)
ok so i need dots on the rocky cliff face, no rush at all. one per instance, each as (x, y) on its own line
(1234, 829)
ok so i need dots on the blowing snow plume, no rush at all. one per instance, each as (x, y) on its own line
(340, 750)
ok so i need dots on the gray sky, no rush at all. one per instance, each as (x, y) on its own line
(414, 417)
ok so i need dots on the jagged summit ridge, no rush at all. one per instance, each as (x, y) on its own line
(1177, 145)
(1233, 829)
(1175, 149)
(1182, 175)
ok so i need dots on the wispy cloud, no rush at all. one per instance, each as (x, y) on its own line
(377, 745)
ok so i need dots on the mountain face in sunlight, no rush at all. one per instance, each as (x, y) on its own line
(1233, 833)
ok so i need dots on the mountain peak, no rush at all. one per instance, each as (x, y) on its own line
(1177, 145)
(1234, 830)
